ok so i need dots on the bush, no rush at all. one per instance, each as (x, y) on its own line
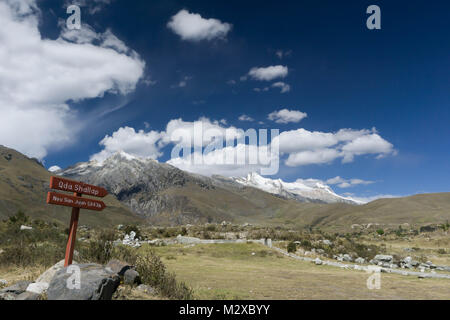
(380, 232)
(291, 247)
(99, 251)
(153, 272)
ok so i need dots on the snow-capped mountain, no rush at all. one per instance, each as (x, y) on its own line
(305, 191)
(149, 187)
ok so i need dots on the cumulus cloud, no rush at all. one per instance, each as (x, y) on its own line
(287, 116)
(39, 76)
(193, 27)
(311, 157)
(367, 144)
(268, 73)
(314, 147)
(54, 169)
(188, 133)
(141, 144)
(347, 183)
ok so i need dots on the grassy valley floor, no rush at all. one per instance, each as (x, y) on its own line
(251, 271)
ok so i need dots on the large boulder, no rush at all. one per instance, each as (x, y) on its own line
(48, 275)
(96, 283)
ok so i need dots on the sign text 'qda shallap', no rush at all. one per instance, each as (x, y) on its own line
(77, 187)
(76, 202)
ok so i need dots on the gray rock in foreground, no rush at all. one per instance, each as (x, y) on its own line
(97, 283)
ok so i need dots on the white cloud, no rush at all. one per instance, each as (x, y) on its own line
(245, 117)
(183, 83)
(283, 86)
(268, 73)
(54, 169)
(306, 147)
(192, 27)
(39, 76)
(319, 156)
(347, 183)
(142, 144)
(367, 144)
(184, 132)
(283, 53)
(287, 116)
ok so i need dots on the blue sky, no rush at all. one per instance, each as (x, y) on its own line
(342, 75)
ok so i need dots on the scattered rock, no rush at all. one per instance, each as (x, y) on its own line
(7, 296)
(146, 289)
(382, 260)
(131, 277)
(347, 258)
(318, 262)
(17, 288)
(97, 283)
(3, 282)
(131, 240)
(360, 260)
(327, 242)
(25, 228)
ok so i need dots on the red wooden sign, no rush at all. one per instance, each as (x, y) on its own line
(77, 203)
(77, 187)
(74, 202)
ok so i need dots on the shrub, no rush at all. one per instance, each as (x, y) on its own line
(380, 232)
(19, 218)
(99, 251)
(291, 247)
(153, 272)
(442, 251)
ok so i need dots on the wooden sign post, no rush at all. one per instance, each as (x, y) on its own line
(76, 202)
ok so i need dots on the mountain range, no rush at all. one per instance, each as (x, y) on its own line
(146, 191)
